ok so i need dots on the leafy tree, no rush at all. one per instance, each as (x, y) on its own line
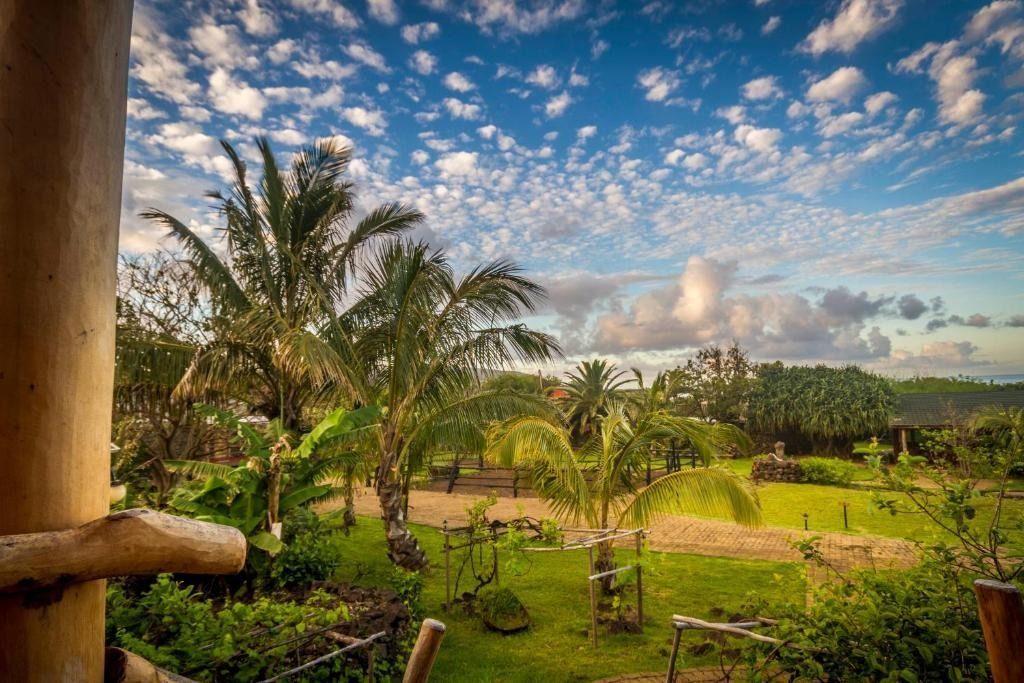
(593, 387)
(716, 384)
(830, 406)
(949, 385)
(597, 484)
(291, 250)
(414, 341)
(520, 382)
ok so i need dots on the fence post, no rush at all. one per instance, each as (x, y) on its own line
(421, 661)
(593, 599)
(453, 474)
(640, 580)
(1002, 620)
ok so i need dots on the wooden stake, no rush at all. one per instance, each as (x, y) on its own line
(127, 667)
(593, 599)
(1002, 620)
(421, 661)
(63, 89)
(126, 543)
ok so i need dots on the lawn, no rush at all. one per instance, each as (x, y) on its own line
(556, 647)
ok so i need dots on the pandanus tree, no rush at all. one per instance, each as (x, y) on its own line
(598, 483)
(416, 341)
(290, 248)
(592, 388)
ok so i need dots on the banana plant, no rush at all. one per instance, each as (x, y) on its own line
(276, 476)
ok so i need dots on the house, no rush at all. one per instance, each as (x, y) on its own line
(915, 412)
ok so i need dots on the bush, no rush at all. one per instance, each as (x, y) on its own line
(919, 625)
(312, 551)
(502, 610)
(827, 471)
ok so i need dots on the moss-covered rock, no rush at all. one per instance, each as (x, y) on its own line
(501, 610)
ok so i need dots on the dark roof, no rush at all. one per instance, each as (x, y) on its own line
(941, 410)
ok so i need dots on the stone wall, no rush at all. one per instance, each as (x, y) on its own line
(767, 468)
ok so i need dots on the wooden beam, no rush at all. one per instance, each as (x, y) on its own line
(421, 661)
(63, 89)
(1002, 620)
(133, 542)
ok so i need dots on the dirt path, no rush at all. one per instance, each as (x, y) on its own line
(675, 533)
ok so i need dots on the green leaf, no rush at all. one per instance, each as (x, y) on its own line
(267, 541)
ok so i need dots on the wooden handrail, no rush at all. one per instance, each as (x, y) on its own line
(133, 542)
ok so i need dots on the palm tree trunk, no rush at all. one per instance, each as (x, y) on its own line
(605, 563)
(403, 548)
(349, 516)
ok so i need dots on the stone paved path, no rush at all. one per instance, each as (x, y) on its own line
(675, 533)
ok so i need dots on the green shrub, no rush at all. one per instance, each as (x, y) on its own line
(175, 627)
(501, 609)
(312, 551)
(827, 471)
(409, 588)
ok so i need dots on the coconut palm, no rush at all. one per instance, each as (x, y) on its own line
(291, 246)
(415, 341)
(592, 387)
(598, 483)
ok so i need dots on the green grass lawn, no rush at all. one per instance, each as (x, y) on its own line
(783, 505)
(556, 647)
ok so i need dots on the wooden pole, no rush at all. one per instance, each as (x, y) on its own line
(63, 89)
(593, 599)
(639, 580)
(421, 661)
(1002, 620)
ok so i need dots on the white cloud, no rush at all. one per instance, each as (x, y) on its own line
(281, 51)
(458, 163)
(736, 114)
(876, 103)
(840, 86)
(384, 11)
(508, 17)
(288, 136)
(257, 20)
(423, 62)
(462, 110)
(544, 76)
(695, 162)
(586, 132)
(332, 9)
(557, 105)
(221, 45)
(856, 21)
(577, 80)
(155, 62)
(487, 132)
(418, 33)
(838, 125)
(361, 52)
(419, 157)
(658, 82)
(458, 82)
(370, 120)
(763, 140)
(235, 97)
(954, 75)
(763, 88)
(770, 25)
(139, 109)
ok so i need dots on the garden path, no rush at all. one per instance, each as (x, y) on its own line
(676, 533)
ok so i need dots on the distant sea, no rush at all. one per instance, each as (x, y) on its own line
(999, 379)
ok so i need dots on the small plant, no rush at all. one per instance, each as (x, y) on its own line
(409, 588)
(502, 610)
(311, 552)
(828, 471)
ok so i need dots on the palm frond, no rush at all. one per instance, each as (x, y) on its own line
(708, 491)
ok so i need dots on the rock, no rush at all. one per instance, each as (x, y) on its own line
(767, 468)
(501, 610)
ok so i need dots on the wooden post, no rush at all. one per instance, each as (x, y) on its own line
(63, 89)
(447, 568)
(639, 580)
(1002, 620)
(421, 661)
(593, 599)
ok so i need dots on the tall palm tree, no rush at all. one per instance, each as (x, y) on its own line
(598, 483)
(593, 387)
(415, 341)
(290, 251)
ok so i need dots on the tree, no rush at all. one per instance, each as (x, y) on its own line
(520, 382)
(593, 387)
(291, 252)
(717, 383)
(597, 484)
(415, 341)
(829, 406)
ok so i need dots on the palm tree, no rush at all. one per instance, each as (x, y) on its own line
(416, 341)
(291, 249)
(593, 387)
(597, 484)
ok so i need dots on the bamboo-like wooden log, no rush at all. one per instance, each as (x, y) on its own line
(123, 666)
(126, 543)
(1002, 620)
(421, 661)
(63, 89)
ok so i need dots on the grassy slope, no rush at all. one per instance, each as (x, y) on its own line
(554, 590)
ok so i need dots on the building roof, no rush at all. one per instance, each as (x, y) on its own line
(942, 410)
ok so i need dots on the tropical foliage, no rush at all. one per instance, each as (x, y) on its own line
(593, 388)
(829, 406)
(716, 384)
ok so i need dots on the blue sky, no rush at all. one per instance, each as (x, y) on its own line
(835, 181)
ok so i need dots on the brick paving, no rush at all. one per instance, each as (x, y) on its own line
(676, 533)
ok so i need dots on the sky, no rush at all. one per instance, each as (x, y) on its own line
(833, 182)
